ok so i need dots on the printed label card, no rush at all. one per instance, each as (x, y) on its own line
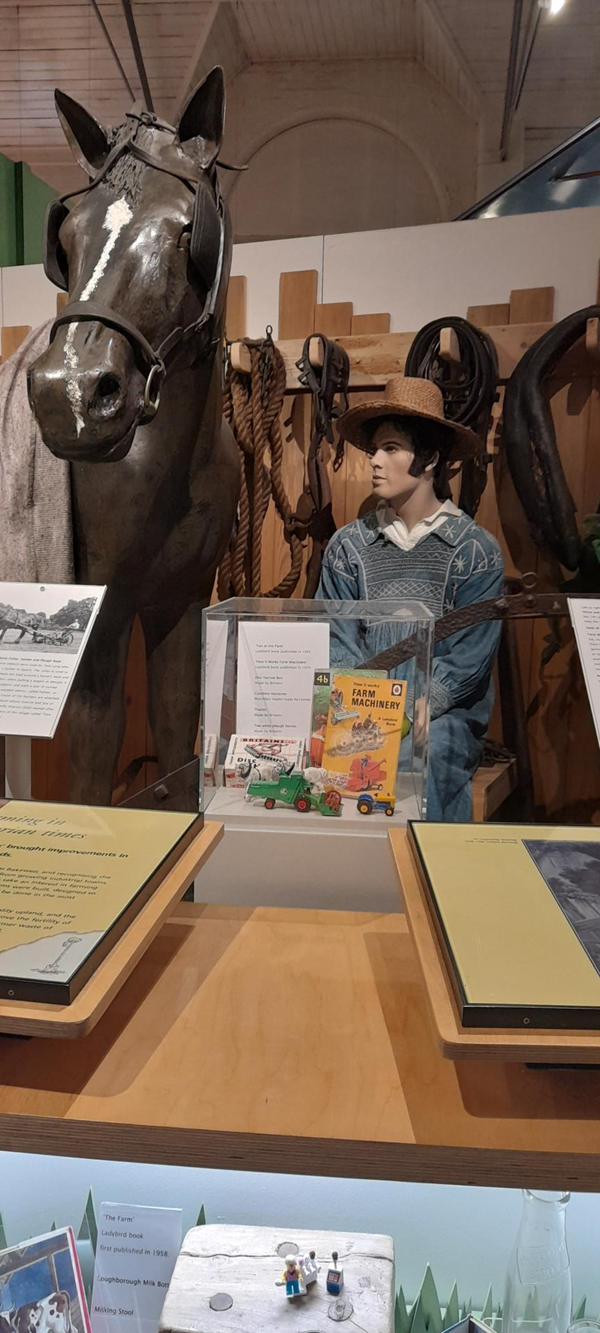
(135, 1257)
(44, 631)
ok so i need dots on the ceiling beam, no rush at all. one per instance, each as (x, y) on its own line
(437, 17)
(190, 73)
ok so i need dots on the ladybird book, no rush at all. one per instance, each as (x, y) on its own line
(41, 1286)
(322, 683)
(362, 737)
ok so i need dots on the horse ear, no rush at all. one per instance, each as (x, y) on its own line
(85, 135)
(202, 121)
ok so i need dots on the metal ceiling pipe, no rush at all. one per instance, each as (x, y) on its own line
(113, 48)
(509, 92)
(527, 57)
(137, 51)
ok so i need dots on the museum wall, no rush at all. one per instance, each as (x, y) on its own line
(414, 273)
(325, 155)
(465, 1233)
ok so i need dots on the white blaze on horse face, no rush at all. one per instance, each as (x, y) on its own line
(117, 217)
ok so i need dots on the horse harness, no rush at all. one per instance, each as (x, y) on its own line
(209, 253)
(314, 515)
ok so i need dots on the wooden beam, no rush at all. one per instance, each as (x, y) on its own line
(373, 358)
(297, 303)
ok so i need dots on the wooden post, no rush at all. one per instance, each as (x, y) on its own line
(449, 348)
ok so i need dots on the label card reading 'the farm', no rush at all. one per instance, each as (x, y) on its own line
(135, 1257)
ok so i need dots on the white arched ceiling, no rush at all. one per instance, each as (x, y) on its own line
(332, 175)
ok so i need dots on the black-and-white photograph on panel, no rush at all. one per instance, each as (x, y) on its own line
(44, 631)
(572, 872)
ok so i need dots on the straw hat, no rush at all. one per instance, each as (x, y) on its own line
(405, 397)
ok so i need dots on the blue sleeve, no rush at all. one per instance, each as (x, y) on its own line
(462, 664)
(339, 582)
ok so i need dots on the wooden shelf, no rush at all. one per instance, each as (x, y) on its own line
(299, 1042)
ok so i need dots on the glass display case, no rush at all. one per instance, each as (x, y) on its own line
(317, 709)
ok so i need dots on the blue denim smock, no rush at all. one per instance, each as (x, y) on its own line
(456, 564)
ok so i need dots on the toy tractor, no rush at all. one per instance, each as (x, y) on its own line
(295, 789)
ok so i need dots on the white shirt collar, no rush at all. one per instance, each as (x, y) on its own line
(394, 528)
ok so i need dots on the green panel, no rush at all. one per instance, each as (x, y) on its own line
(36, 197)
(8, 237)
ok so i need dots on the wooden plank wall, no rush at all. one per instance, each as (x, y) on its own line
(565, 751)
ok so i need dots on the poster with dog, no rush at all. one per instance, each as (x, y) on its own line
(41, 1289)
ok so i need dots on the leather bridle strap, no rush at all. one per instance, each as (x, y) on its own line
(92, 311)
(150, 361)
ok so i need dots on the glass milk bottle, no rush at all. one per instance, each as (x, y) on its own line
(537, 1294)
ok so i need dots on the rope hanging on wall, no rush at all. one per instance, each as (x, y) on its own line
(252, 405)
(469, 388)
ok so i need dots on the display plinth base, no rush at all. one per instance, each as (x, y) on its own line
(244, 1263)
(539, 1046)
(27, 1019)
(281, 858)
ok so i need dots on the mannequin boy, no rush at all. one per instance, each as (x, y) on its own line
(418, 546)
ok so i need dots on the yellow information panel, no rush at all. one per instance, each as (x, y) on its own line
(517, 911)
(71, 880)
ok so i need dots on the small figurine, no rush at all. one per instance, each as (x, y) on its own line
(292, 1278)
(335, 1276)
(298, 1275)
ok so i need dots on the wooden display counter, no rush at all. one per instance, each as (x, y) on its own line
(299, 1042)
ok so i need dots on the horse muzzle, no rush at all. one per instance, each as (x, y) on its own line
(88, 401)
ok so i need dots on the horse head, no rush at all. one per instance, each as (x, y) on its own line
(144, 253)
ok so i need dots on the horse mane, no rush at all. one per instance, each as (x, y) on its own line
(125, 175)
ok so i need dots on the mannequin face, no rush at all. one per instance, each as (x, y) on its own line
(391, 455)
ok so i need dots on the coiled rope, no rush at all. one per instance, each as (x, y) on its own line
(252, 405)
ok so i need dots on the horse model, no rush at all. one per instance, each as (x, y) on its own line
(129, 392)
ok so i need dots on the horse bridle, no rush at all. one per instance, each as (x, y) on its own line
(206, 223)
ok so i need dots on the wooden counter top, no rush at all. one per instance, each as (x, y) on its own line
(299, 1042)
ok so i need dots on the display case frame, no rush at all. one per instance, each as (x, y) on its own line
(249, 686)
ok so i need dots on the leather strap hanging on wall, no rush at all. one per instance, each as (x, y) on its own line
(313, 517)
(531, 449)
(252, 405)
(469, 388)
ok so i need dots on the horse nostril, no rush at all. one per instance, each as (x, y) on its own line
(107, 398)
(108, 386)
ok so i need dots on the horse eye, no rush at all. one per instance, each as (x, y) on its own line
(184, 239)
